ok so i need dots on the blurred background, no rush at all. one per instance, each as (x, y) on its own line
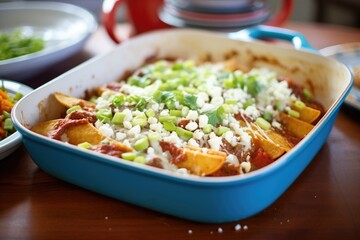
(341, 12)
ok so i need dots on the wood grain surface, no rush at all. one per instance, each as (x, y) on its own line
(323, 203)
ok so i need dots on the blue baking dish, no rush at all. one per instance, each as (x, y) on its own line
(202, 199)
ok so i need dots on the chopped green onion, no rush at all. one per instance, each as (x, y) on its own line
(118, 100)
(230, 101)
(299, 104)
(84, 145)
(307, 94)
(176, 113)
(129, 156)
(104, 115)
(185, 111)
(73, 108)
(170, 104)
(261, 122)
(191, 90)
(154, 136)
(294, 113)
(141, 144)
(227, 108)
(169, 126)
(140, 159)
(8, 124)
(118, 118)
(18, 96)
(184, 134)
(221, 130)
(141, 121)
(163, 119)
(141, 104)
(150, 113)
(207, 129)
(6, 114)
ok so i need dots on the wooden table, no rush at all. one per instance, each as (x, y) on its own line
(323, 203)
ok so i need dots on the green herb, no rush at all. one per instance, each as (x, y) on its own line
(163, 96)
(215, 117)
(190, 101)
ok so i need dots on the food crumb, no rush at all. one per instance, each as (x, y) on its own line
(211, 232)
(237, 227)
(106, 218)
(190, 231)
(288, 220)
(220, 230)
(246, 227)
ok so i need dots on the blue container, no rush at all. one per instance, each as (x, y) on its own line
(202, 199)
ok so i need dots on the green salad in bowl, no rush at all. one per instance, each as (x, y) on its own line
(16, 44)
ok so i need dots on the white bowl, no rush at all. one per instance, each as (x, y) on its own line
(63, 27)
(12, 142)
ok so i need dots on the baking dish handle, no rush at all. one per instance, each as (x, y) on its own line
(269, 32)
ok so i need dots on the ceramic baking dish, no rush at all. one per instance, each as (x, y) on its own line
(203, 199)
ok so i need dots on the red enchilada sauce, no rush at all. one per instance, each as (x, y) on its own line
(62, 124)
(177, 155)
(108, 149)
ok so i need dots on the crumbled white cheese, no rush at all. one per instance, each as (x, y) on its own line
(198, 134)
(191, 126)
(164, 112)
(192, 142)
(214, 91)
(134, 131)
(252, 112)
(217, 101)
(246, 166)
(232, 159)
(215, 143)
(152, 120)
(102, 103)
(207, 108)
(276, 124)
(173, 138)
(127, 124)
(245, 140)
(120, 136)
(203, 121)
(157, 127)
(128, 114)
(192, 115)
(106, 130)
(229, 137)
